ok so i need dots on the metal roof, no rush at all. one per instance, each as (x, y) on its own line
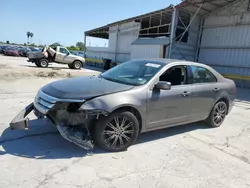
(207, 7)
(102, 32)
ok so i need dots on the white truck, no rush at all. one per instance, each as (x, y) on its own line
(58, 54)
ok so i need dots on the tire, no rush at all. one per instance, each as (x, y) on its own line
(121, 140)
(43, 63)
(70, 66)
(77, 64)
(217, 114)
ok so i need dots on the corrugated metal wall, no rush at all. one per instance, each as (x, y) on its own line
(97, 52)
(187, 51)
(120, 39)
(225, 43)
(146, 51)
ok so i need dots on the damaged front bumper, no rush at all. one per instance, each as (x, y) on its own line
(20, 121)
(73, 126)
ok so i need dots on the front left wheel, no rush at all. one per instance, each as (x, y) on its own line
(117, 131)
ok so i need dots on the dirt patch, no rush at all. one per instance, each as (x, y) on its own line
(12, 68)
(46, 73)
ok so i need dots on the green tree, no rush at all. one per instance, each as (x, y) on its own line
(55, 44)
(73, 48)
(25, 44)
(31, 36)
(7, 42)
(81, 46)
(28, 36)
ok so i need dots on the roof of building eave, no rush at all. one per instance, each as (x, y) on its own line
(207, 7)
(102, 32)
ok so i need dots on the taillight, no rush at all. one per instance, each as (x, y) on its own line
(235, 90)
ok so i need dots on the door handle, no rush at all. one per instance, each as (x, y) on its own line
(216, 89)
(185, 93)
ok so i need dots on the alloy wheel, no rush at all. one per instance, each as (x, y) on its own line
(220, 111)
(118, 132)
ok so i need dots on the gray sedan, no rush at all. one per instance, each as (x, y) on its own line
(111, 109)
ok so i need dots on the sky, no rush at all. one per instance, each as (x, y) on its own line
(65, 21)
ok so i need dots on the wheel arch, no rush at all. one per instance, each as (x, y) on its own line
(131, 109)
(224, 99)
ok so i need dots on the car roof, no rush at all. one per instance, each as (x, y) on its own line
(168, 61)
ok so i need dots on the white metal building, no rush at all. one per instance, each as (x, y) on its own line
(214, 32)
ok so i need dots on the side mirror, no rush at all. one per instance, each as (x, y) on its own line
(163, 85)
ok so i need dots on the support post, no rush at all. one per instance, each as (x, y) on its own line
(199, 39)
(172, 33)
(191, 21)
(85, 37)
(116, 43)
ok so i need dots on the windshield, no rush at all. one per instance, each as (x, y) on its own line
(133, 72)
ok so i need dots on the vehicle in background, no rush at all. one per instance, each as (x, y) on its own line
(11, 51)
(57, 54)
(24, 52)
(73, 52)
(82, 54)
(4, 48)
(34, 49)
(112, 108)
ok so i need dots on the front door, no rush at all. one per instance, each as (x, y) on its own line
(167, 108)
(62, 56)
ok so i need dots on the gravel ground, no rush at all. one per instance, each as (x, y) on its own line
(18, 67)
(190, 156)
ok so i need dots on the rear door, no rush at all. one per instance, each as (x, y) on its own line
(205, 92)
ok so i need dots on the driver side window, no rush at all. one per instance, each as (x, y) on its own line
(63, 50)
(176, 75)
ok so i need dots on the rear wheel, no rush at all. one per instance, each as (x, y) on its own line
(117, 131)
(77, 65)
(217, 114)
(43, 63)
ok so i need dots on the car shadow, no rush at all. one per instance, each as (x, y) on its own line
(42, 141)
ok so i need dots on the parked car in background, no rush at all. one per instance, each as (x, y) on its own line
(11, 51)
(82, 54)
(57, 54)
(24, 52)
(4, 48)
(137, 96)
(34, 49)
(73, 52)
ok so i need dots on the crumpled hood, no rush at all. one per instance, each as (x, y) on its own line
(83, 88)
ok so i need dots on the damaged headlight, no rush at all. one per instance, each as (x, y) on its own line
(90, 109)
